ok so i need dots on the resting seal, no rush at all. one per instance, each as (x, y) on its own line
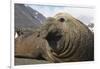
(62, 38)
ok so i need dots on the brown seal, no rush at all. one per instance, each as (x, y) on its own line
(62, 38)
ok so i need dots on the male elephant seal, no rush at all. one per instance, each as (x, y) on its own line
(62, 38)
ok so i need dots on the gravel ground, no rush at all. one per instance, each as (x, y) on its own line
(24, 61)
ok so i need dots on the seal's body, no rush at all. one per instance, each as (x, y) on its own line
(61, 39)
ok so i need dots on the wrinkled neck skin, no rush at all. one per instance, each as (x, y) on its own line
(56, 39)
(55, 34)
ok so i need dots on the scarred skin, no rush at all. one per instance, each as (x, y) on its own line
(62, 38)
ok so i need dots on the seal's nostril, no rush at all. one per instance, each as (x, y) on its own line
(61, 19)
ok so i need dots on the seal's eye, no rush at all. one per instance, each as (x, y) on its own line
(61, 19)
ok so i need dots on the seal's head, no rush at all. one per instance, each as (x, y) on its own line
(67, 37)
(55, 29)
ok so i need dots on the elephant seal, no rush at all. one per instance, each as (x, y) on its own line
(62, 38)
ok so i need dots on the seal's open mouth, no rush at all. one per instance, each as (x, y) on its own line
(53, 37)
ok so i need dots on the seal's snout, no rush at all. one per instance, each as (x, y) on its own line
(56, 30)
